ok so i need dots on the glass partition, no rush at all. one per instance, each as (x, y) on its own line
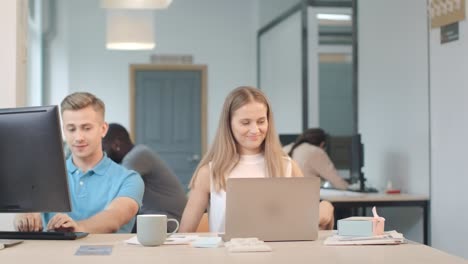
(306, 65)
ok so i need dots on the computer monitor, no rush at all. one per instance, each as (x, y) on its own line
(347, 153)
(33, 177)
(285, 139)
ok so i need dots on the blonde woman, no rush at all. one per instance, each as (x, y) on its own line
(246, 145)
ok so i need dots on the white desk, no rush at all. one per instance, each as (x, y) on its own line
(346, 199)
(62, 252)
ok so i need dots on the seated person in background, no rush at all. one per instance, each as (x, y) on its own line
(246, 145)
(164, 193)
(308, 152)
(105, 196)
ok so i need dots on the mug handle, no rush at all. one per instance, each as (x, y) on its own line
(177, 225)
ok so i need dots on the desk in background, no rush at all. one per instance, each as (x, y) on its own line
(60, 252)
(347, 199)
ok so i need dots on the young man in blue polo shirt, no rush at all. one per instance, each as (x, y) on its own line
(105, 196)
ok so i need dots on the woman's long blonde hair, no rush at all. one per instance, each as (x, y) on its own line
(223, 152)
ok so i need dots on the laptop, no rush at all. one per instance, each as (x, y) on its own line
(272, 209)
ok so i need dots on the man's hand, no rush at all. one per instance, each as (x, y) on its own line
(28, 222)
(63, 222)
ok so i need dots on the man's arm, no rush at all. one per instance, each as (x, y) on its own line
(119, 212)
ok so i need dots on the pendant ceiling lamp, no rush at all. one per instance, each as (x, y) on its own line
(135, 4)
(130, 29)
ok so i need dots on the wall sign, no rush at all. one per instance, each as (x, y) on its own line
(449, 33)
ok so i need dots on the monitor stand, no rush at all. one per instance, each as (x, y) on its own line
(362, 185)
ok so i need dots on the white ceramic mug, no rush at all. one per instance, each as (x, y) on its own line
(152, 229)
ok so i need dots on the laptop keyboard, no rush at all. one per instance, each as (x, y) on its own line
(54, 235)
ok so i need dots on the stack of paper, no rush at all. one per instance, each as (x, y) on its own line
(388, 238)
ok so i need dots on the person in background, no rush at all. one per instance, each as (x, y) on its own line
(246, 145)
(164, 193)
(105, 196)
(308, 152)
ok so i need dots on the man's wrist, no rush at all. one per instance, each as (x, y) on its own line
(80, 227)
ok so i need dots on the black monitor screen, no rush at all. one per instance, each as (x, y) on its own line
(347, 153)
(32, 167)
(285, 139)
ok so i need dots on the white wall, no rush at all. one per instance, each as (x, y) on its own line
(7, 54)
(220, 34)
(12, 53)
(393, 102)
(449, 130)
(11, 67)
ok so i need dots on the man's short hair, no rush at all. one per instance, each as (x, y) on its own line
(80, 100)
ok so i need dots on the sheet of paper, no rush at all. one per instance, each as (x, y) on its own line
(86, 250)
(175, 239)
(180, 239)
(389, 238)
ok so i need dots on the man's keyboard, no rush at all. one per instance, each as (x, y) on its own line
(54, 235)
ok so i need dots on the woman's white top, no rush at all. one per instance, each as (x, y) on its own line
(249, 166)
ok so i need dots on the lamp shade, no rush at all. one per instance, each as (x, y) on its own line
(136, 4)
(130, 29)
